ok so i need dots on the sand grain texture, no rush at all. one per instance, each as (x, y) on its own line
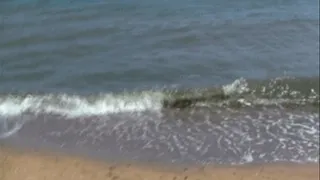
(21, 165)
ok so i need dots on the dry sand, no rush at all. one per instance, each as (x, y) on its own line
(22, 165)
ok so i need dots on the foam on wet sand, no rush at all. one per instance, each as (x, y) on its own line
(18, 164)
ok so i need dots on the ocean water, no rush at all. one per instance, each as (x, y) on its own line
(221, 82)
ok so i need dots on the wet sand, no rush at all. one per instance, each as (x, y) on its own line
(18, 164)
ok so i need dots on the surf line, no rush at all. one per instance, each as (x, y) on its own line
(186, 101)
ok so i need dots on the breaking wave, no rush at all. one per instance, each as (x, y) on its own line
(281, 92)
(241, 122)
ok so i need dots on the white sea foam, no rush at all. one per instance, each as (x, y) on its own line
(102, 104)
(9, 127)
(238, 86)
(74, 105)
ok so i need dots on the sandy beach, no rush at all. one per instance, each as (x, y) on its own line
(26, 165)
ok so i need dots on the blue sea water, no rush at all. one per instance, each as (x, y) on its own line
(163, 80)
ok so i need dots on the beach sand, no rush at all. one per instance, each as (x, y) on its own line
(30, 165)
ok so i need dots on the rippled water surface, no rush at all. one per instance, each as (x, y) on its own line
(169, 81)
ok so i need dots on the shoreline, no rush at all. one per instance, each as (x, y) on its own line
(16, 164)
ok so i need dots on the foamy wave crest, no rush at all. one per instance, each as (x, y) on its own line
(293, 93)
(75, 105)
(239, 86)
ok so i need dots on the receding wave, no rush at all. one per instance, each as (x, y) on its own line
(281, 92)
